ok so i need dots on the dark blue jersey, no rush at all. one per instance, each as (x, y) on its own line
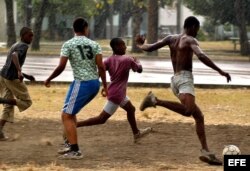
(9, 70)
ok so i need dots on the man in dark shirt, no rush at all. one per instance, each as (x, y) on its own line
(13, 90)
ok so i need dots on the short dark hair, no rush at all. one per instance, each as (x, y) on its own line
(24, 30)
(79, 24)
(114, 42)
(191, 21)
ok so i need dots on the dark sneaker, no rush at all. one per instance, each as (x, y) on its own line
(148, 101)
(142, 133)
(209, 158)
(65, 148)
(71, 155)
(2, 137)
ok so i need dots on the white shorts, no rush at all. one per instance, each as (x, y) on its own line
(111, 107)
(183, 82)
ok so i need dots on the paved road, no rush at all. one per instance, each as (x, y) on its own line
(155, 71)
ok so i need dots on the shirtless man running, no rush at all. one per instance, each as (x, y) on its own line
(182, 47)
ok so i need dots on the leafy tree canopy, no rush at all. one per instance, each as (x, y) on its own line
(219, 11)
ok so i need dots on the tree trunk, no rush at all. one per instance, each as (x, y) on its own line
(240, 11)
(38, 25)
(152, 33)
(123, 22)
(100, 22)
(100, 26)
(52, 27)
(11, 33)
(27, 12)
(136, 26)
(124, 16)
(111, 21)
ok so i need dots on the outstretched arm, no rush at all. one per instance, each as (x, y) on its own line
(140, 39)
(204, 59)
(58, 70)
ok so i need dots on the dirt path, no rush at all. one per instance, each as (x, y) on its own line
(172, 146)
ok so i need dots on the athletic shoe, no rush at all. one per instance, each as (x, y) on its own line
(142, 133)
(65, 148)
(148, 101)
(209, 158)
(2, 137)
(71, 155)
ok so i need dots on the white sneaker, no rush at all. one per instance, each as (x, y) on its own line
(142, 133)
(64, 149)
(71, 155)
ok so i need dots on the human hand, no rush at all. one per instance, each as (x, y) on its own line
(104, 92)
(30, 77)
(20, 76)
(47, 83)
(226, 75)
(140, 39)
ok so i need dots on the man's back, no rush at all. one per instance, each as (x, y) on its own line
(181, 52)
(82, 52)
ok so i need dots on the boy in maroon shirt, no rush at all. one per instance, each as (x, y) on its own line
(118, 65)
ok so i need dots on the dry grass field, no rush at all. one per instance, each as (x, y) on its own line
(173, 145)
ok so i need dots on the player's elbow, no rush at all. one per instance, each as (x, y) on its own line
(201, 56)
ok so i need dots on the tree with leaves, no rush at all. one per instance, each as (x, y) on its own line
(236, 12)
(240, 7)
(38, 24)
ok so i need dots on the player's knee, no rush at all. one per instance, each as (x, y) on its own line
(132, 110)
(28, 104)
(189, 112)
(102, 119)
(24, 105)
(199, 118)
